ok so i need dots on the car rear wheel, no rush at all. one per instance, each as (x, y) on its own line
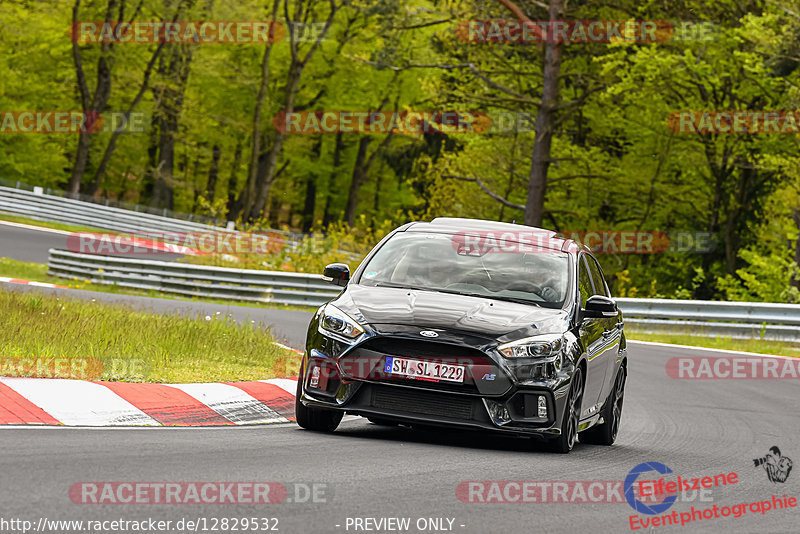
(606, 433)
(569, 426)
(317, 419)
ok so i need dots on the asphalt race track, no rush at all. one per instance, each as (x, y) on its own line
(695, 427)
(25, 244)
(29, 244)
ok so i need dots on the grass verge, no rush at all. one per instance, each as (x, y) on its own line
(52, 337)
(759, 346)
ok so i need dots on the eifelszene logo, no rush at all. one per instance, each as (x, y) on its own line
(630, 485)
(777, 467)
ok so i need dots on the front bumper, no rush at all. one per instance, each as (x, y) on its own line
(492, 397)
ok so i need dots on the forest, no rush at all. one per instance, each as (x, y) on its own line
(667, 119)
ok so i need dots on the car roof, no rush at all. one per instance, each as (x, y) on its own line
(548, 238)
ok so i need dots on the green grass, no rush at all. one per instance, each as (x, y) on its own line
(759, 346)
(42, 335)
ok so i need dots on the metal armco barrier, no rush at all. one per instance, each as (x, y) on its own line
(75, 212)
(743, 320)
(194, 280)
(746, 320)
(79, 213)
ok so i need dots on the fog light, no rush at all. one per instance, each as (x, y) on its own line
(542, 407)
(314, 383)
(497, 411)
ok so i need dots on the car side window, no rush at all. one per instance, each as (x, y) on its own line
(584, 281)
(600, 287)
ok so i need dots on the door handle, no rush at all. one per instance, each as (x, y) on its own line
(607, 333)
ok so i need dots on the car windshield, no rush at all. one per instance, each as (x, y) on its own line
(441, 262)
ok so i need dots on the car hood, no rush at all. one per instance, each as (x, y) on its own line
(431, 310)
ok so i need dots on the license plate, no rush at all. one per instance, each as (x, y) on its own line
(424, 370)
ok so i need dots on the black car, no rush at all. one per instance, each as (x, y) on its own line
(472, 324)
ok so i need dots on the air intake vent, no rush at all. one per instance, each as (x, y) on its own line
(422, 402)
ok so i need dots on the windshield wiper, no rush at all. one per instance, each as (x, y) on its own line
(404, 286)
(500, 297)
(454, 292)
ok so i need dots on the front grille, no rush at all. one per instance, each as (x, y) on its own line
(422, 402)
(422, 349)
(380, 347)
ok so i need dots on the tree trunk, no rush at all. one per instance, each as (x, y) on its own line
(91, 105)
(360, 171)
(233, 184)
(310, 204)
(213, 172)
(175, 67)
(327, 215)
(81, 159)
(359, 176)
(796, 217)
(255, 207)
(266, 174)
(248, 194)
(540, 159)
(732, 236)
(163, 190)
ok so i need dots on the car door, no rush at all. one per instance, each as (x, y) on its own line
(611, 333)
(591, 334)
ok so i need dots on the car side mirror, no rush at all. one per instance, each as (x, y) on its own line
(337, 274)
(600, 306)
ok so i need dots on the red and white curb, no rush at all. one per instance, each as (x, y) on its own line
(43, 401)
(28, 283)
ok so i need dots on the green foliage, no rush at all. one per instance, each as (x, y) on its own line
(615, 164)
(764, 279)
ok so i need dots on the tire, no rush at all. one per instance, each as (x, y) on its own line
(381, 422)
(606, 433)
(569, 426)
(317, 419)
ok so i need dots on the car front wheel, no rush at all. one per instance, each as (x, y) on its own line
(606, 433)
(317, 419)
(569, 426)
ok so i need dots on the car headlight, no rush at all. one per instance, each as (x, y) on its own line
(335, 321)
(546, 348)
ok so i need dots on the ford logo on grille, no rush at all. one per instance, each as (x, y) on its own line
(429, 333)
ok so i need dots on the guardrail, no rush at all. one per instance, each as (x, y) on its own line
(78, 213)
(193, 280)
(743, 320)
(697, 318)
(105, 201)
(44, 207)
